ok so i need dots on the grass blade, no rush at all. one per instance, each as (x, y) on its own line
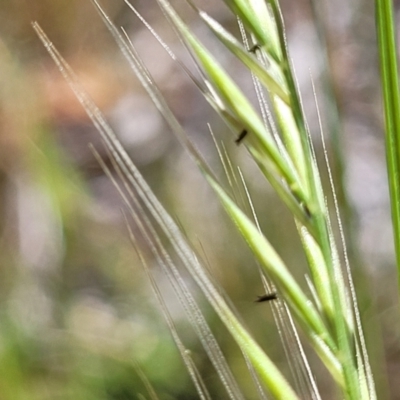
(391, 100)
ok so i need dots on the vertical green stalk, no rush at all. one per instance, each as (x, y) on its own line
(391, 98)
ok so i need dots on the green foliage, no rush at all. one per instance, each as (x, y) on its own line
(320, 311)
(391, 95)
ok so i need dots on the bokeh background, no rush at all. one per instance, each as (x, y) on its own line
(77, 315)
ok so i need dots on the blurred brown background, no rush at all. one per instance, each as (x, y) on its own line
(76, 310)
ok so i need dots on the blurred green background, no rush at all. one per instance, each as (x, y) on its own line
(77, 314)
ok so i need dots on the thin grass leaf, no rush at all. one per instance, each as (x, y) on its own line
(391, 100)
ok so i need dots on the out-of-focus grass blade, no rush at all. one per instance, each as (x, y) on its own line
(190, 366)
(391, 98)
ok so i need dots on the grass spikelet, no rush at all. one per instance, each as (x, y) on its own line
(279, 142)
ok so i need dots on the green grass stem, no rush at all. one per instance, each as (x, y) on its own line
(391, 101)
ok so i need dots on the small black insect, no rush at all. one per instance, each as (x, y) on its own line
(267, 297)
(254, 48)
(307, 211)
(241, 136)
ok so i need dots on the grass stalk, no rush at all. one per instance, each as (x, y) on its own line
(386, 34)
(329, 316)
